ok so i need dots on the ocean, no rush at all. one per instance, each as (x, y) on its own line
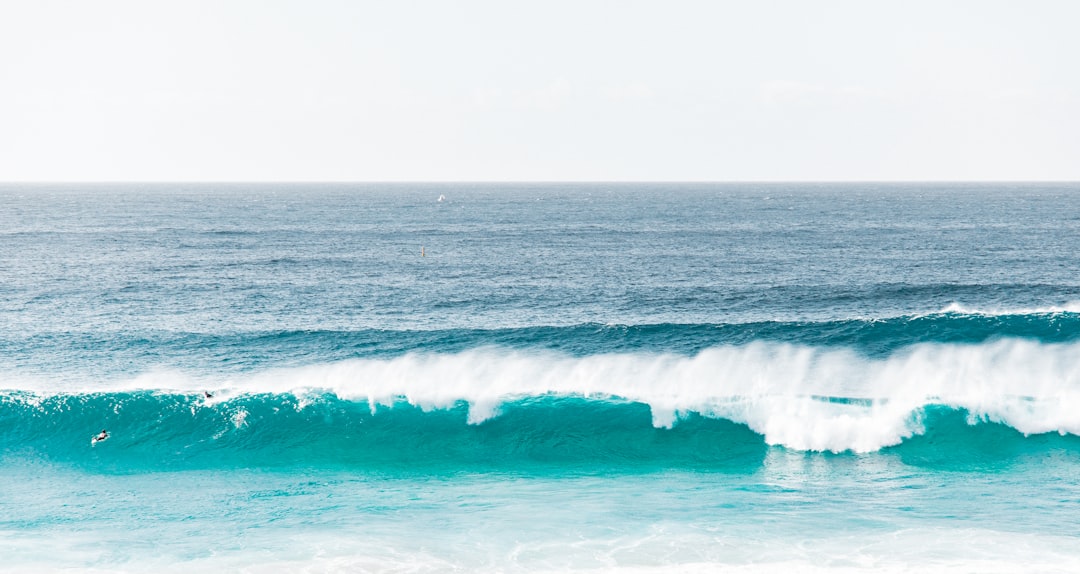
(593, 377)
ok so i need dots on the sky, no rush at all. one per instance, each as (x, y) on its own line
(580, 90)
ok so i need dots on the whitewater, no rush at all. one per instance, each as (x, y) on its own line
(540, 377)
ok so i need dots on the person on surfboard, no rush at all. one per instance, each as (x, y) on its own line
(104, 434)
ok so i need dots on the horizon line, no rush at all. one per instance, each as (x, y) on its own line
(526, 181)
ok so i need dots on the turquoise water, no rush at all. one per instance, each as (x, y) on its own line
(646, 377)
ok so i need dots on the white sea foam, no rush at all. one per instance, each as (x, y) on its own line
(936, 550)
(795, 396)
(958, 308)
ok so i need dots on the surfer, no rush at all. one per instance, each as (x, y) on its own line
(104, 434)
(207, 395)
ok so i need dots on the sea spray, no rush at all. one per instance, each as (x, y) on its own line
(804, 398)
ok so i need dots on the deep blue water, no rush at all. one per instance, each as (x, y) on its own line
(540, 377)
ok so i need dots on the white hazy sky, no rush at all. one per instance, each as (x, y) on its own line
(553, 90)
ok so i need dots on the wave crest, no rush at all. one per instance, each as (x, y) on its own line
(956, 308)
(806, 398)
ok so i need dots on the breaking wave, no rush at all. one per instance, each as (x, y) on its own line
(494, 405)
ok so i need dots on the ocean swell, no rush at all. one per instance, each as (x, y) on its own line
(797, 397)
(112, 354)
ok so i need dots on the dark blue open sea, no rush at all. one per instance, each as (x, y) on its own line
(540, 377)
